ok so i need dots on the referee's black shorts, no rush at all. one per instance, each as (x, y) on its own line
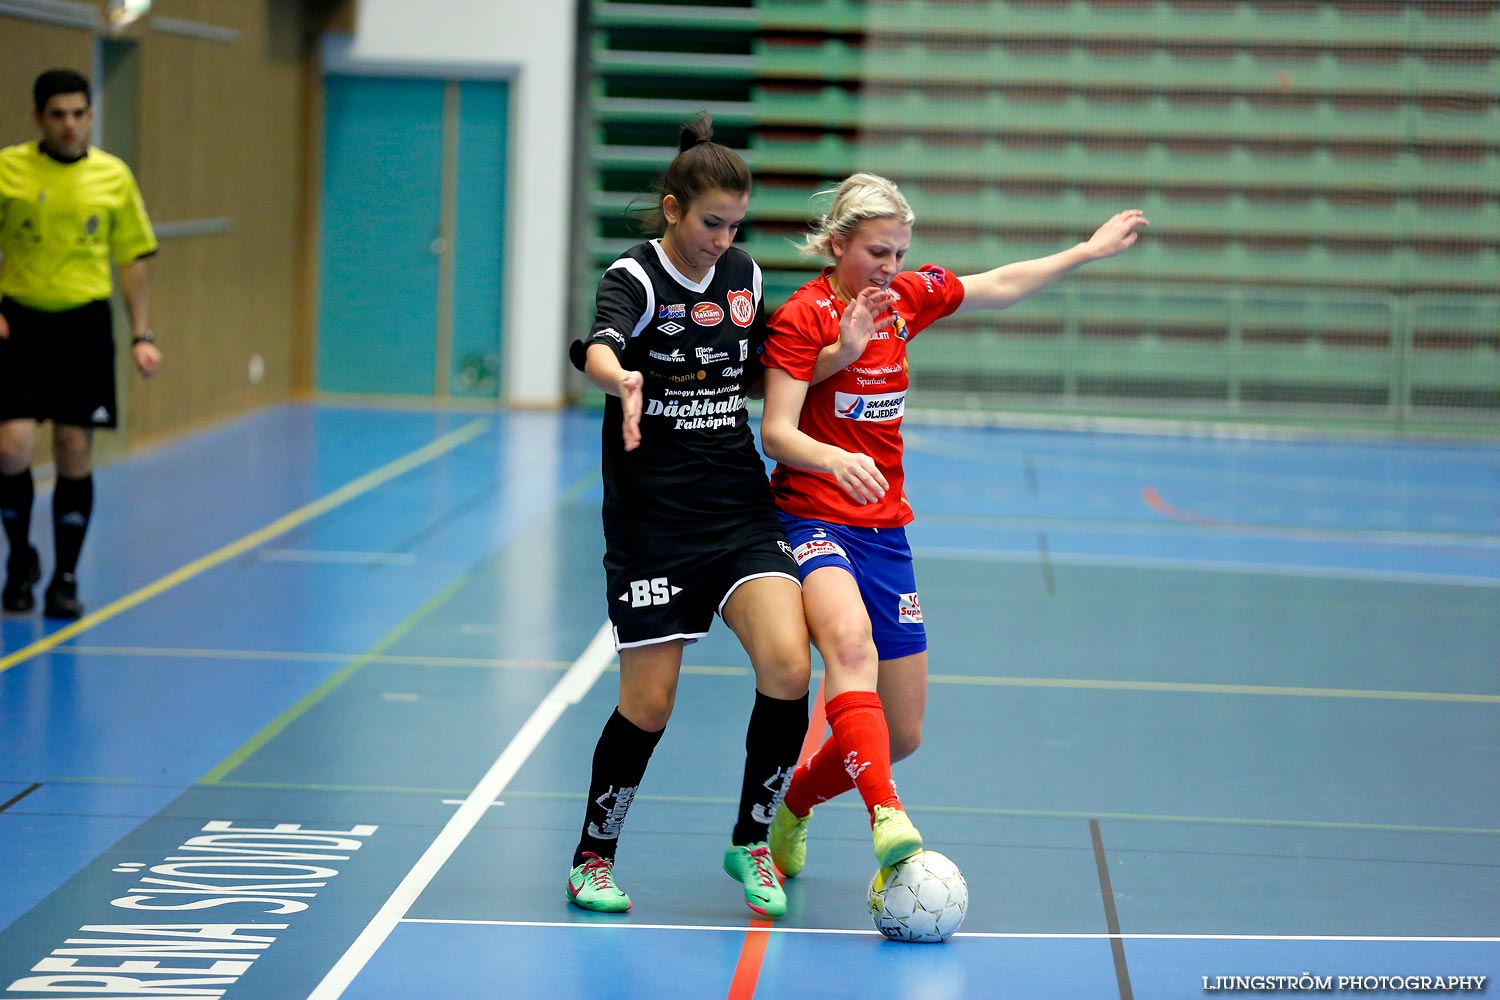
(659, 590)
(59, 366)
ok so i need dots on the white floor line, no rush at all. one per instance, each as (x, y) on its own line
(1007, 935)
(570, 688)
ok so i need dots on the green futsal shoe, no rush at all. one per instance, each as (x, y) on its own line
(789, 841)
(591, 886)
(895, 838)
(751, 865)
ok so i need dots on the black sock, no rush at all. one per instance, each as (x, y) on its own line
(72, 506)
(17, 492)
(620, 759)
(772, 742)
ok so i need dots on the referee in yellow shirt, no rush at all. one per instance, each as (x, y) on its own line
(66, 213)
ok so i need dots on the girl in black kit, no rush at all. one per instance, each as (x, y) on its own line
(689, 527)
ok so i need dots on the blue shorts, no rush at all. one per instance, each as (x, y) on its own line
(879, 559)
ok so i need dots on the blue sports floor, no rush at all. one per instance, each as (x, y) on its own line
(1200, 708)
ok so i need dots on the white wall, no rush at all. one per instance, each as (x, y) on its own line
(532, 45)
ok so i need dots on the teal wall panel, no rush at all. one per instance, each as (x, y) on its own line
(382, 175)
(479, 238)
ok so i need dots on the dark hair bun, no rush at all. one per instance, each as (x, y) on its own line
(699, 130)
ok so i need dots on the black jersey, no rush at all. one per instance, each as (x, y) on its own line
(697, 345)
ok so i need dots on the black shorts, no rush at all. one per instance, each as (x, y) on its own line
(661, 589)
(59, 366)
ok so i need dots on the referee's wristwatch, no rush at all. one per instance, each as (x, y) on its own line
(146, 338)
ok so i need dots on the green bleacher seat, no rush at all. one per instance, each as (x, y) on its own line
(1323, 180)
(673, 17)
(1228, 22)
(678, 64)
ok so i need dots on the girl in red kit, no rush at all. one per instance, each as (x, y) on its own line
(836, 381)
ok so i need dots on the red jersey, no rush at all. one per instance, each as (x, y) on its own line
(859, 408)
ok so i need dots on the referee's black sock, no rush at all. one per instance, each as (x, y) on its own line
(72, 506)
(620, 758)
(772, 742)
(17, 492)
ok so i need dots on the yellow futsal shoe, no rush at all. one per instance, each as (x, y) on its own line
(895, 838)
(789, 841)
(750, 865)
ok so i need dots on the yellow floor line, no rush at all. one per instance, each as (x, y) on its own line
(280, 526)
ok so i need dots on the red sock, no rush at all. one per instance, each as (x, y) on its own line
(863, 744)
(820, 778)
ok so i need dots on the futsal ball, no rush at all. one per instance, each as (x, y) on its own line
(921, 899)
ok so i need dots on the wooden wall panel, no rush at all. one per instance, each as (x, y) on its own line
(223, 137)
(223, 134)
(28, 48)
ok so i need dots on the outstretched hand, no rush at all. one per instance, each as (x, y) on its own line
(630, 402)
(1118, 234)
(870, 311)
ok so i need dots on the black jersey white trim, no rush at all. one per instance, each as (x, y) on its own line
(697, 470)
(678, 276)
(686, 637)
(634, 270)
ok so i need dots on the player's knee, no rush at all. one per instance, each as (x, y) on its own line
(72, 454)
(15, 453)
(650, 711)
(904, 742)
(786, 675)
(652, 720)
(14, 459)
(849, 650)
